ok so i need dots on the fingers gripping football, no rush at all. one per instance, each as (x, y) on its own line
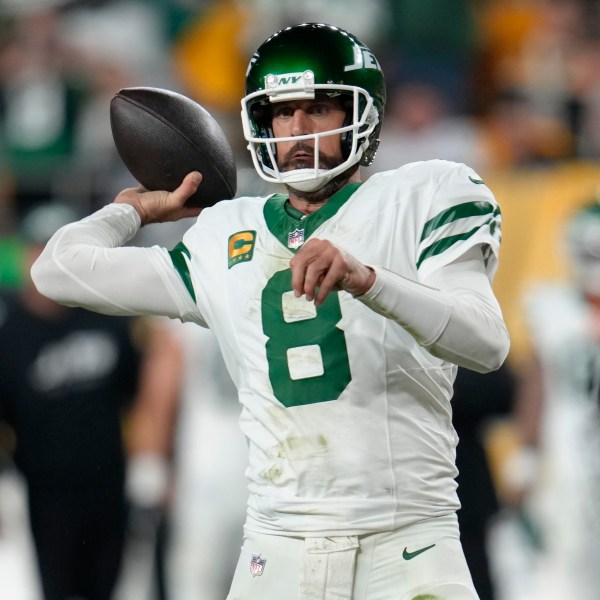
(160, 206)
(320, 267)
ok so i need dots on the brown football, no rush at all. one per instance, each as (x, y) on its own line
(161, 136)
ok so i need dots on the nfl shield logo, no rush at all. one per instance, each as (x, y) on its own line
(257, 565)
(295, 238)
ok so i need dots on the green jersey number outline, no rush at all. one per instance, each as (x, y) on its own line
(320, 330)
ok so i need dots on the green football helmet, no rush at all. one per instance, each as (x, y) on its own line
(298, 63)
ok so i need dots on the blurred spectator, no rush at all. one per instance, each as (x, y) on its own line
(116, 44)
(209, 502)
(213, 37)
(61, 61)
(434, 42)
(420, 126)
(478, 402)
(546, 53)
(584, 108)
(40, 98)
(505, 27)
(150, 437)
(66, 376)
(556, 473)
(515, 136)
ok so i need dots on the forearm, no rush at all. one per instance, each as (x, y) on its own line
(85, 265)
(457, 319)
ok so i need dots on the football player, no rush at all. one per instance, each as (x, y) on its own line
(342, 309)
(559, 418)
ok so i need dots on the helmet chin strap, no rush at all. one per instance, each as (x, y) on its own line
(311, 183)
(328, 182)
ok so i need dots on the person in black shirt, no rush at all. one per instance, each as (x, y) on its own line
(66, 377)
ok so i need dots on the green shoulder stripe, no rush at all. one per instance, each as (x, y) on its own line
(445, 243)
(179, 262)
(461, 211)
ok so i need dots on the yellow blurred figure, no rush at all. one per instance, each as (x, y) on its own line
(208, 58)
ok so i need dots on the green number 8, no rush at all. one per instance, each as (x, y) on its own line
(306, 351)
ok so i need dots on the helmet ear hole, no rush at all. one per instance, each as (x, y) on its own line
(346, 138)
(261, 115)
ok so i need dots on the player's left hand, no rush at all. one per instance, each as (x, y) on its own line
(320, 267)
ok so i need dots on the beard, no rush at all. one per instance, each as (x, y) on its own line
(326, 162)
(290, 162)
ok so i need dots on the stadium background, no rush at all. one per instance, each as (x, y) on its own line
(512, 87)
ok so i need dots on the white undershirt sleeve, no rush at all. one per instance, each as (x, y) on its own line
(455, 314)
(85, 264)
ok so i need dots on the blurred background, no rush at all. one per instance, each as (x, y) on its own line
(510, 87)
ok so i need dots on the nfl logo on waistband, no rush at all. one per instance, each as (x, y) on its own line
(257, 565)
(296, 238)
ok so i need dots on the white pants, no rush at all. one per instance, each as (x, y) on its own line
(423, 561)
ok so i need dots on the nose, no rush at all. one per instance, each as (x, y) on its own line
(300, 122)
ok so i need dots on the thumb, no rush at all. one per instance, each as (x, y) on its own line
(188, 186)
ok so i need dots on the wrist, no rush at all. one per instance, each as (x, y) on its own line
(368, 282)
(137, 206)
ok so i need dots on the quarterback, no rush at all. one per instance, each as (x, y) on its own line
(342, 309)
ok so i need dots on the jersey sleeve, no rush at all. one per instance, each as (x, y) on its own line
(462, 213)
(87, 264)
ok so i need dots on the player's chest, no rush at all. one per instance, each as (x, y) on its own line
(254, 254)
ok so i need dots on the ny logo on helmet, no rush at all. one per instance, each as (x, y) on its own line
(289, 80)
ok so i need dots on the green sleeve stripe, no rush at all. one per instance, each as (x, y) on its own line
(460, 211)
(179, 262)
(445, 243)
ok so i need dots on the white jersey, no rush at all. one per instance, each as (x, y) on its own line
(565, 501)
(348, 418)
